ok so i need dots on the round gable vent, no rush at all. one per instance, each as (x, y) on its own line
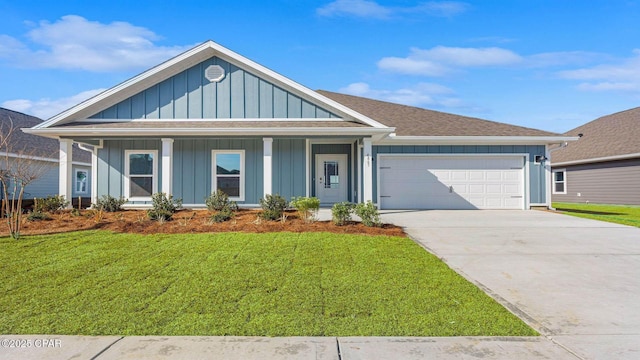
(214, 73)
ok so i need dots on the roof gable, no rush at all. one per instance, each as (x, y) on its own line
(414, 121)
(191, 95)
(609, 136)
(288, 97)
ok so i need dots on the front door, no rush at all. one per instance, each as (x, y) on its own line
(331, 178)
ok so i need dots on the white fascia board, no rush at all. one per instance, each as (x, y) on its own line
(474, 140)
(297, 131)
(182, 62)
(131, 87)
(600, 159)
(300, 90)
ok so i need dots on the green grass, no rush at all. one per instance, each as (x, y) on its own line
(274, 284)
(620, 214)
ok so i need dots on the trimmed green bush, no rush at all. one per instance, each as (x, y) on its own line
(222, 215)
(163, 207)
(341, 212)
(51, 204)
(109, 203)
(217, 201)
(38, 216)
(273, 206)
(307, 207)
(368, 213)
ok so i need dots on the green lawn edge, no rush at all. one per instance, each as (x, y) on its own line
(619, 214)
(271, 284)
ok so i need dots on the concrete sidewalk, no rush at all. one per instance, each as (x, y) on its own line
(291, 348)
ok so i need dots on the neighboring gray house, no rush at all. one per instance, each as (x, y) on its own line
(212, 119)
(44, 151)
(604, 165)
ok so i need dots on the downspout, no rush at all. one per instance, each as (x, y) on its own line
(547, 166)
(94, 168)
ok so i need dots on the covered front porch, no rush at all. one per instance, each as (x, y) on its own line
(331, 168)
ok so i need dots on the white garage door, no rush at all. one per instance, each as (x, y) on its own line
(451, 182)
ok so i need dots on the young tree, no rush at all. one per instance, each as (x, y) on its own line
(19, 167)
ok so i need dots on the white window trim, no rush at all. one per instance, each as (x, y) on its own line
(214, 176)
(127, 189)
(75, 181)
(554, 182)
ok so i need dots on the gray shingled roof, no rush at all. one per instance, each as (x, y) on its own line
(33, 144)
(612, 135)
(414, 121)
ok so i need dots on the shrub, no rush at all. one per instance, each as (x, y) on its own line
(109, 203)
(37, 215)
(222, 215)
(217, 201)
(307, 207)
(273, 206)
(51, 204)
(163, 207)
(368, 213)
(341, 212)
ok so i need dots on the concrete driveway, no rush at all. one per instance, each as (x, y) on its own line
(576, 281)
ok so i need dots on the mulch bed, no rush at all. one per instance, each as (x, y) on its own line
(189, 221)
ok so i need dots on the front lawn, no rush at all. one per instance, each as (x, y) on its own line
(626, 215)
(272, 284)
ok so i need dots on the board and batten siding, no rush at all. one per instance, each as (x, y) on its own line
(189, 95)
(613, 182)
(111, 164)
(192, 168)
(536, 171)
(289, 167)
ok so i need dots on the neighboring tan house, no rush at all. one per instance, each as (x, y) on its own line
(44, 152)
(212, 119)
(604, 165)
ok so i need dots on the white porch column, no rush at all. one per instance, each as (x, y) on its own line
(367, 171)
(167, 166)
(66, 178)
(268, 165)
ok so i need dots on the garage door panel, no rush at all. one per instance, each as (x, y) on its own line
(416, 182)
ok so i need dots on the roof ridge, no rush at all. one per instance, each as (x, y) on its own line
(603, 117)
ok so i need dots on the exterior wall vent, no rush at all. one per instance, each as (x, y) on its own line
(214, 73)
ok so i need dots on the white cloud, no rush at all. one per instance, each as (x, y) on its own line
(46, 108)
(441, 8)
(621, 76)
(74, 42)
(422, 94)
(358, 8)
(563, 58)
(371, 9)
(441, 60)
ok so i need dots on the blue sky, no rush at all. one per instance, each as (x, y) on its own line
(547, 64)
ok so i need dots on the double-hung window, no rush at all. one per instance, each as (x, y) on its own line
(141, 174)
(228, 173)
(81, 181)
(559, 181)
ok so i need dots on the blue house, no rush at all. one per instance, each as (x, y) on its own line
(212, 119)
